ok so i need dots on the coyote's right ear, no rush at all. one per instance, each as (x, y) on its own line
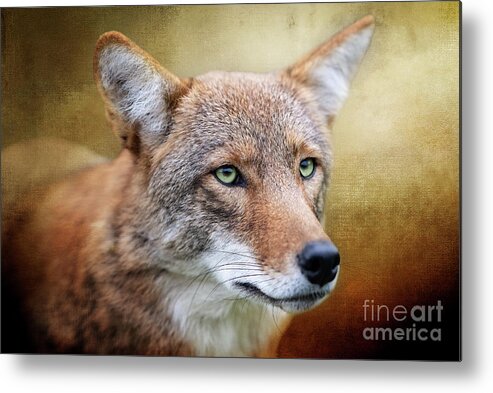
(139, 93)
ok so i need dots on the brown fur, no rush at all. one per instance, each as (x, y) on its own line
(96, 264)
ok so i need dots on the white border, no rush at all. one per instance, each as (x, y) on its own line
(131, 374)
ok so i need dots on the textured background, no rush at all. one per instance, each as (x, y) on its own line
(393, 207)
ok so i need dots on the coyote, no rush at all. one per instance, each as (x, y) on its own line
(204, 235)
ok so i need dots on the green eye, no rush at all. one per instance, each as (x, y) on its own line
(228, 175)
(307, 168)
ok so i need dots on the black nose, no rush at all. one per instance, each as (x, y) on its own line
(318, 262)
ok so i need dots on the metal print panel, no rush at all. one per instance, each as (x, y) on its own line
(275, 180)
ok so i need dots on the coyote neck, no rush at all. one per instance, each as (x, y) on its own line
(215, 323)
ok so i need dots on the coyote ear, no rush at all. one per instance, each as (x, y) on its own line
(139, 93)
(328, 70)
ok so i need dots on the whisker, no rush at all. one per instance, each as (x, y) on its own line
(239, 254)
(216, 268)
(244, 276)
(227, 266)
(274, 318)
(235, 278)
(213, 270)
(200, 284)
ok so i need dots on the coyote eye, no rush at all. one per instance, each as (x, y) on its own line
(228, 175)
(307, 168)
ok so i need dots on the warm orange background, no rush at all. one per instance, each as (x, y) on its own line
(393, 207)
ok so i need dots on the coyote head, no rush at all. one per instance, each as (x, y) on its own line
(232, 168)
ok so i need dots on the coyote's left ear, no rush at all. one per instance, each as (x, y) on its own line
(328, 70)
